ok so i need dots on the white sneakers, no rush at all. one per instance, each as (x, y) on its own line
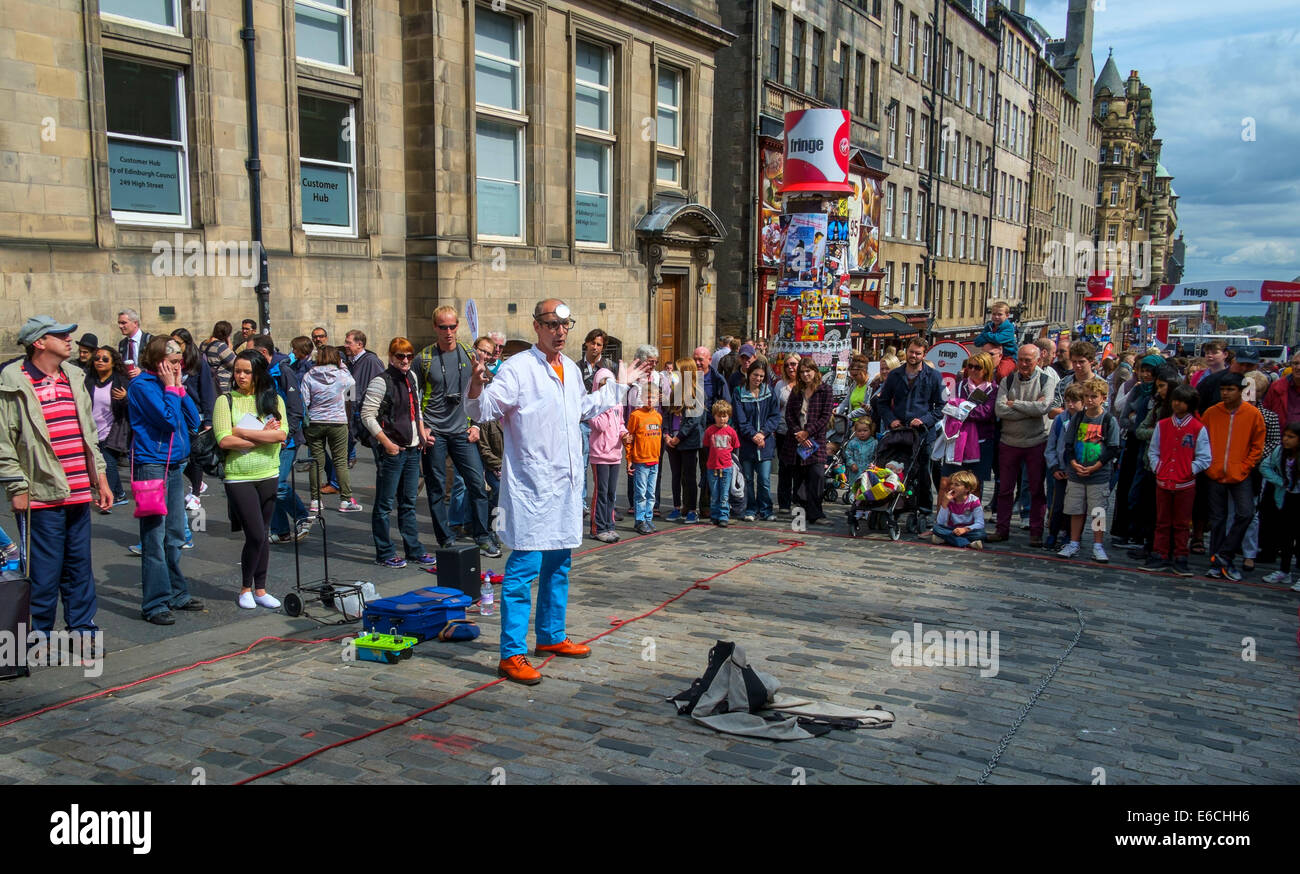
(349, 505)
(313, 509)
(250, 602)
(192, 502)
(1070, 550)
(1099, 553)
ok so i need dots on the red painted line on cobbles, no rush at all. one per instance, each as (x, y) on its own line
(212, 661)
(787, 545)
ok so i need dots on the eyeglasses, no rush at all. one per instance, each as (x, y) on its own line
(448, 327)
(405, 356)
(318, 336)
(557, 324)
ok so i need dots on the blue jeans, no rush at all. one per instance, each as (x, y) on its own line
(962, 540)
(161, 538)
(585, 429)
(644, 477)
(397, 481)
(61, 569)
(110, 470)
(720, 494)
(494, 490)
(758, 486)
(468, 463)
(458, 506)
(551, 570)
(287, 502)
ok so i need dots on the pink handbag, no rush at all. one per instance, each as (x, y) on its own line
(150, 494)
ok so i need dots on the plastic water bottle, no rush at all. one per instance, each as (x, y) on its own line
(485, 598)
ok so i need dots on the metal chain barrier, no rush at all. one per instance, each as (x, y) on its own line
(1042, 687)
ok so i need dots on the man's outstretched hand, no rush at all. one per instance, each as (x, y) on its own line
(636, 373)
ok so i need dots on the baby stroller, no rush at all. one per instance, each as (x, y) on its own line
(892, 505)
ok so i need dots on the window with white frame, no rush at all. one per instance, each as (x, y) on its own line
(593, 158)
(961, 238)
(1142, 220)
(906, 213)
(892, 145)
(927, 37)
(1114, 194)
(970, 238)
(961, 62)
(890, 188)
(938, 232)
(916, 285)
(160, 14)
(980, 106)
(943, 154)
(947, 67)
(796, 54)
(328, 165)
(920, 215)
(895, 54)
(913, 24)
(970, 83)
(889, 281)
(923, 150)
(965, 162)
(952, 167)
(322, 32)
(501, 124)
(668, 99)
(952, 228)
(148, 152)
(908, 130)
(902, 284)
(984, 235)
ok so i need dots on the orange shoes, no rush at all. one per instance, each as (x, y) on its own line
(565, 648)
(517, 669)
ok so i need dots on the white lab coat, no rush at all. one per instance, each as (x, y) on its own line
(542, 473)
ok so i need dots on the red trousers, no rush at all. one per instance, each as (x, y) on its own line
(1173, 520)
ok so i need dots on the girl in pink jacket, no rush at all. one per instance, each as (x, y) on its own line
(606, 448)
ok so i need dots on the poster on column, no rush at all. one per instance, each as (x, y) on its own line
(770, 234)
(803, 252)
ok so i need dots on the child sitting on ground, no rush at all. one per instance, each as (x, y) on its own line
(861, 449)
(1091, 449)
(961, 520)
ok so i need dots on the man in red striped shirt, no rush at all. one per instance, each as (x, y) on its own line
(50, 457)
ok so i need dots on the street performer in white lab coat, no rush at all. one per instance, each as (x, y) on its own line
(539, 398)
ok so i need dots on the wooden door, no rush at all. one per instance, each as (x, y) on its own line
(669, 338)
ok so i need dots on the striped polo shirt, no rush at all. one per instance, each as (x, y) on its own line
(60, 410)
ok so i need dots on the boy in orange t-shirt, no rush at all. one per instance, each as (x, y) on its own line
(643, 441)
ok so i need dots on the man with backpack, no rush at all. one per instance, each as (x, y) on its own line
(1024, 400)
(288, 506)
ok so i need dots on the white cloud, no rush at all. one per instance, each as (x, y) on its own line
(1273, 252)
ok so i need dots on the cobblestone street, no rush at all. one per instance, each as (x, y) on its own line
(1157, 689)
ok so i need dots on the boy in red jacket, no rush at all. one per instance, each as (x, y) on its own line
(1179, 450)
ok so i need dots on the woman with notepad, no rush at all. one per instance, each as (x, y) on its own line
(250, 426)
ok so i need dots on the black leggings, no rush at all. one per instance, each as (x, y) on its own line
(684, 468)
(1288, 537)
(784, 474)
(251, 503)
(809, 484)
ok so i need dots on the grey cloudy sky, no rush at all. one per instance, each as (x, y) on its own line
(1212, 68)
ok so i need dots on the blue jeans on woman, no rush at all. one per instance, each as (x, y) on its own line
(110, 470)
(397, 482)
(161, 538)
(758, 486)
(287, 502)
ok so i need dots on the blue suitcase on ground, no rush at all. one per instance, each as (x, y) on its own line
(421, 614)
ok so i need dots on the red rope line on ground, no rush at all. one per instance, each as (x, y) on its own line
(212, 661)
(698, 584)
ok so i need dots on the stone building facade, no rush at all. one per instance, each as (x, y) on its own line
(122, 165)
(962, 92)
(787, 55)
(1013, 152)
(1137, 205)
(562, 149)
(1049, 97)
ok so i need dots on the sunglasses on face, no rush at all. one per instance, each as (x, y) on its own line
(102, 360)
(448, 327)
(405, 356)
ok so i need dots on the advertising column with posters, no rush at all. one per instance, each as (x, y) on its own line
(810, 314)
(1096, 318)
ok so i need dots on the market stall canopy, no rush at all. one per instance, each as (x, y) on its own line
(866, 319)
